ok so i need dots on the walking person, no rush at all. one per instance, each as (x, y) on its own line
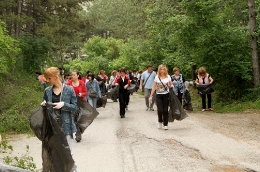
(147, 80)
(139, 75)
(67, 78)
(41, 79)
(203, 78)
(101, 78)
(80, 91)
(93, 90)
(112, 84)
(112, 79)
(162, 83)
(178, 82)
(55, 141)
(122, 82)
(135, 75)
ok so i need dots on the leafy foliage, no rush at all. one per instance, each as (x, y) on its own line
(122, 18)
(22, 93)
(196, 32)
(8, 50)
(34, 52)
(24, 162)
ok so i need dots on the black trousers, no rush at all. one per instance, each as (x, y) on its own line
(162, 102)
(203, 96)
(127, 98)
(180, 96)
(122, 101)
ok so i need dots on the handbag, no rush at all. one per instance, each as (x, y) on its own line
(92, 93)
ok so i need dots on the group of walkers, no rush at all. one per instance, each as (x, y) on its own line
(156, 85)
(65, 89)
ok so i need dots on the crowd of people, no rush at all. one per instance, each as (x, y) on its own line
(65, 89)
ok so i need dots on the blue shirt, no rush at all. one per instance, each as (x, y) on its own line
(150, 81)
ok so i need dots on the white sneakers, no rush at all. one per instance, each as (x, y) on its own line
(159, 125)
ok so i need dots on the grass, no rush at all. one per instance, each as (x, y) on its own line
(20, 94)
(224, 107)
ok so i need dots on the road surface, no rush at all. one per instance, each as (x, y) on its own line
(134, 144)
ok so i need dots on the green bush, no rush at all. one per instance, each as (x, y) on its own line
(21, 93)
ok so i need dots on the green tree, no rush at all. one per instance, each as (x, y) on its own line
(34, 52)
(122, 18)
(198, 32)
(8, 50)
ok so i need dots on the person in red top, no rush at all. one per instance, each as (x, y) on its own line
(78, 85)
(122, 82)
(80, 91)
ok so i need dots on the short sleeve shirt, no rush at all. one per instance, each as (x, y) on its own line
(149, 83)
(162, 88)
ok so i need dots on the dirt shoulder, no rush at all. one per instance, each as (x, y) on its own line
(243, 126)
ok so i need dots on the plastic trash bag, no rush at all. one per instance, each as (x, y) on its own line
(36, 121)
(132, 88)
(85, 114)
(187, 101)
(205, 88)
(176, 111)
(101, 101)
(56, 154)
(113, 93)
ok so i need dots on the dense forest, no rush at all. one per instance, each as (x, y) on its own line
(107, 34)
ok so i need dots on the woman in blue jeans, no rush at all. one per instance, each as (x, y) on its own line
(92, 85)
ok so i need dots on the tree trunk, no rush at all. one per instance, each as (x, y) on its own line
(252, 25)
(17, 24)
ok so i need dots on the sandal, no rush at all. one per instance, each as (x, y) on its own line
(203, 110)
(211, 109)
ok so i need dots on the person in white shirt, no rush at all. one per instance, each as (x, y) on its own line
(162, 83)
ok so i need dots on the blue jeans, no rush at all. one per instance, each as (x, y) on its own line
(92, 102)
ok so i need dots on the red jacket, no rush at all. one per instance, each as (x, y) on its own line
(82, 88)
(118, 77)
(83, 79)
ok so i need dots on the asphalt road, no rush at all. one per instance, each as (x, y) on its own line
(134, 144)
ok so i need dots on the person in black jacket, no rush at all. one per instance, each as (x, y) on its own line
(122, 82)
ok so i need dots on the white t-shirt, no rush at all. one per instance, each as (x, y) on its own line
(160, 89)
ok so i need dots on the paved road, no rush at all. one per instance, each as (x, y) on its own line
(134, 144)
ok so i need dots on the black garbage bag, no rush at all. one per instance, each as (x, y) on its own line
(131, 89)
(36, 121)
(136, 86)
(176, 111)
(101, 101)
(85, 114)
(187, 101)
(113, 93)
(56, 154)
(205, 88)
